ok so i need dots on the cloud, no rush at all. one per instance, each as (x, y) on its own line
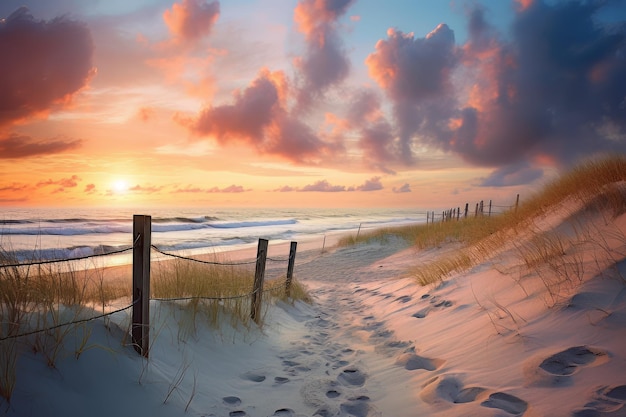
(415, 75)
(372, 184)
(57, 64)
(406, 188)
(285, 189)
(552, 90)
(61, 184)
(90, 189)
(258, 117)
(17, 146)
(323, 186)
(190, 20)
(514, 174)
(150, 189)
(230, 189)
(325, 61)
(15, 187)
(194, 190)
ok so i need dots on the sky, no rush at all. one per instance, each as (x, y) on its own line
(308, 103)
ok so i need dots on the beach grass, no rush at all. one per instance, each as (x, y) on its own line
(597, 185)
(38, 300)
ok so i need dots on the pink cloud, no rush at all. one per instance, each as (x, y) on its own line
(17, 146)
(406, 188)
(230, 189)
(258, 117)
(50, 61)
(90, 189)
(372, 184)
(141, 189)
(323, 186)
(190, 20)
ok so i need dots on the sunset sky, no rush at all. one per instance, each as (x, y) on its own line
(309, 103)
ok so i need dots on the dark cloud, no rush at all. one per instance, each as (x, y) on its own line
(512, 174)
(190, 20)
(17, 146)
(376, 135)
(259, 118)
(325, 62)
(553, 91)
(415, 74)
(43, 63)
(406, 188)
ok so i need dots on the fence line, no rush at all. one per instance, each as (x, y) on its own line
(455, 213)
(142, 248)
(56, 326)
(54, 261)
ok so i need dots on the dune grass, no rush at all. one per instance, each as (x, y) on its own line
(597, 185)
(36, 300)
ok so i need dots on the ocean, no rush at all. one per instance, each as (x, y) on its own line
(51, 234)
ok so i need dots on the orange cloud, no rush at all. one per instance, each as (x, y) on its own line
(190, 20)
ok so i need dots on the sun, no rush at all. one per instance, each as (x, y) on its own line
(120, 186)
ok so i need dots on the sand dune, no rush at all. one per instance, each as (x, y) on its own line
(501, 339)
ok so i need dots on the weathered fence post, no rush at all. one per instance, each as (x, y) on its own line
(427, 216)
(516, 203)
(466, 209)
(489, 208)
(140, 329)
(476, 214)
(292, 260)
(259, 274)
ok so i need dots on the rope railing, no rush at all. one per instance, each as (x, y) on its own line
(69, 323)
(53, 261)
(186, 258)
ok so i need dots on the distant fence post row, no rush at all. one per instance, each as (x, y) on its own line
(140, 327)
(455, 213)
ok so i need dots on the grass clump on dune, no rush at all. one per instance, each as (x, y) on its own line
(217, 289)
(596, 185)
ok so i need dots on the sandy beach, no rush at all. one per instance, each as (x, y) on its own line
(498, 340)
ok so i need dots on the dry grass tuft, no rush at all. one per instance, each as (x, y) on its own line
(597, 185)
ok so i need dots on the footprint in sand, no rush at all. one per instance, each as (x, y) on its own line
(232, 401)
(357, 407)
(410, 361)
(506, 402)
(422, 313)
(449, 389)
(352, 377)
(558, 368)
(253, 377)
(607, 402)
(570, 360)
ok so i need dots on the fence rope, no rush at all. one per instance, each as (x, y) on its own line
(201, 261)
(53, 261)
(67, 323)
(79, 258)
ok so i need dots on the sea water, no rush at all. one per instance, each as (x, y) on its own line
(28, 234)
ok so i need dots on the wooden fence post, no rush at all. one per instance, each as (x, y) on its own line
(516, 203)
(489, 208)
(292, 260)
(140, 329)
(259, 274)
